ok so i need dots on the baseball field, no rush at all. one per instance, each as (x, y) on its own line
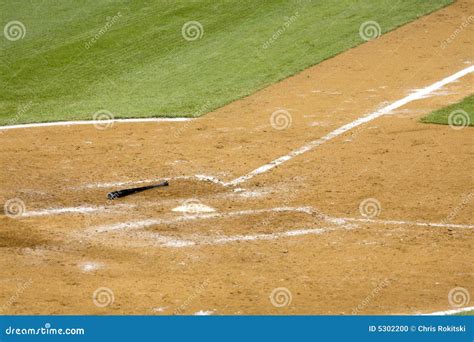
(319, 156)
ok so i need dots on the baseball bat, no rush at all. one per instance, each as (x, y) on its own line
(126, 192)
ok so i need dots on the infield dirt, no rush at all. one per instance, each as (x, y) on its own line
(157, 261)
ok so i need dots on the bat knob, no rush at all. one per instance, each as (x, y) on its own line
(112, 195)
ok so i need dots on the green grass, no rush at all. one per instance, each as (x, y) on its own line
(142, 67)
(461, 114)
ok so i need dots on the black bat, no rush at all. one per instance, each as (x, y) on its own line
(125, 192)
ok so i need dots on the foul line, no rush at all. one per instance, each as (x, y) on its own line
(92, 122)
(450, 312)
(414, 223)
(419, 94)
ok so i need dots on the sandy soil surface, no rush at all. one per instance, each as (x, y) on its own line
(292, 240)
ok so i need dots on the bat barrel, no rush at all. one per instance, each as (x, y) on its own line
(125, 192)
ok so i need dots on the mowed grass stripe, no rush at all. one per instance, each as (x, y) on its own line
(141, 66)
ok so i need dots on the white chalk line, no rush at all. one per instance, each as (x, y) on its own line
(204, 312)
(109, 209)
(140, 224)
(449, 312)
(271, 236)
(193, 240)
(413, 223)
(226, 239)
(73, 210)
(417, 95)
(196, 240)
(92, 122)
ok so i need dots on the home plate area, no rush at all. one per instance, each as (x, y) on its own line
(179, 222)
(213, 228)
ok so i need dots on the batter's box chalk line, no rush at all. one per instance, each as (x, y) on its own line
(140, 224)
(196, 239)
